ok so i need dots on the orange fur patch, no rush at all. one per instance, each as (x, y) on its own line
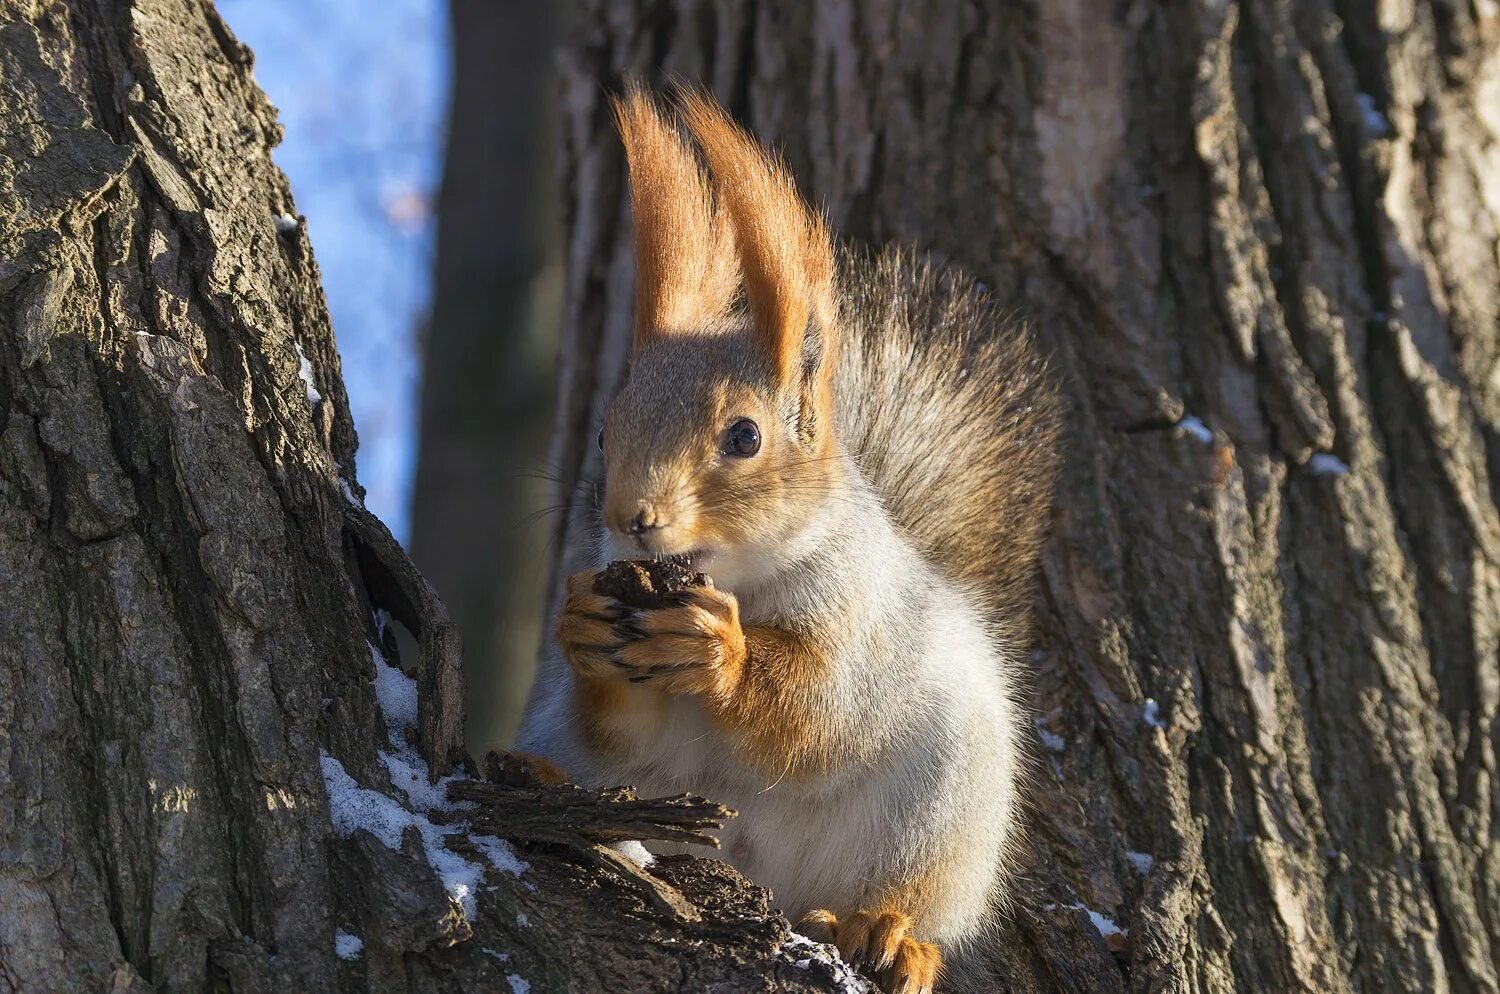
(770, 710)
(685, 268)
(785, 251)
(914, 969)
(615, 716)
(537, 767)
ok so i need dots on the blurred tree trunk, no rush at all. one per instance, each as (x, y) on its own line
(1260, 238)
(189, 633)
(487, 381)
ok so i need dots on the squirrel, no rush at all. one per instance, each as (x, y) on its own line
(859, 451)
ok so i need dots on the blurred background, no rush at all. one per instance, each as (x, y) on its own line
(418, 146)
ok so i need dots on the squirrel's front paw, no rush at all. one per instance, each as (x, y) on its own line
(695, 646)
(585, 625)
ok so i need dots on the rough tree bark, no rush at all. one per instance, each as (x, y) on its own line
(1260, 239)
(190, 640)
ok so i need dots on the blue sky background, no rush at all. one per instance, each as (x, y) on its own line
(362, 89)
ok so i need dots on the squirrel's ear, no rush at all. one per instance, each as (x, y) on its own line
(686, 273)
(785, 251)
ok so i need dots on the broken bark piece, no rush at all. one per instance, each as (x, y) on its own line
(646, 583)
(575, 816)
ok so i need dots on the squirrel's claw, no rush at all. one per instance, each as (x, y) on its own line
(684, 650)
(592, 627)
(694, 646)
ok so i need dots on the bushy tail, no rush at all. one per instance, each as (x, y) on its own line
(949, 411)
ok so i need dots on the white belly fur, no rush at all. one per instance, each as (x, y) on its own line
(937, 801)
(917, 674)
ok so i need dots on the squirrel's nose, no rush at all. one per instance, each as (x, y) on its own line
(645, 520)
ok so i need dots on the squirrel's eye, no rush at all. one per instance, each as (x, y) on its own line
(741, 439)
(600, 440)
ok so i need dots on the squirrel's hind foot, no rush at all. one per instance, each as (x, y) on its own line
(879, 942)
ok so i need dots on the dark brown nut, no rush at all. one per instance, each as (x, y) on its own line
(647, 584)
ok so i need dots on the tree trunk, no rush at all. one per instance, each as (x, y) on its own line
(1260, 240)
(487, 385)
(207, 769)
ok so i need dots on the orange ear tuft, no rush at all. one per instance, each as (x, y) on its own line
(784, 248)
(685, 269)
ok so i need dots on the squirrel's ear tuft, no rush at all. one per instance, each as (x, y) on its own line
(686, 273)
(784, 249)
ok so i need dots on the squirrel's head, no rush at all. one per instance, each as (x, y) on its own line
(719, 447)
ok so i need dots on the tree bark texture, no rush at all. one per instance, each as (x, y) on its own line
(190, 627)
(1260, 240)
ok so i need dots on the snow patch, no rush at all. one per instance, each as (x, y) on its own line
(349, 494)
(522, 920)
(518, 984)
(634, 851)
(803, 952)
(1151, 713)
(352, 807)
(1104, 924)
(1140, 862)
(347, 946)
(500, 854)
(1196, 428)
(286, 223)
(396, 694)
(492, 954)
(305, 370)
(409, 774)
(1327, 464)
